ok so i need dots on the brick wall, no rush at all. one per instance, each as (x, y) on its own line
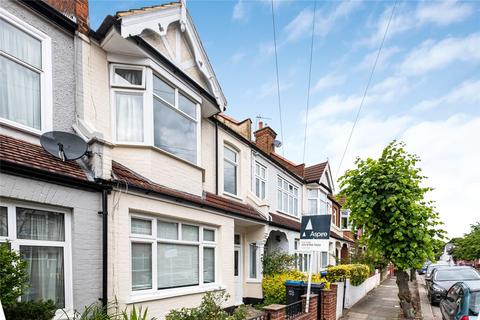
(329, 303)
(264, 138)
(76, 10)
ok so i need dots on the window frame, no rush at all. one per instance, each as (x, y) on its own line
(155, 292)
(287, 193)
(149, 72)
(347, 216)
(261, 179)
(15, 243)
(257, 262)
(46, 92)
(322, 200)
(237, 170)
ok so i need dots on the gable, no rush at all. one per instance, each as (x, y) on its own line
(326, 178)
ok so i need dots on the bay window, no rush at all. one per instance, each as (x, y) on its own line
(317, 202)
(230, 170)
(150, 111)
(170, 254)
(287, 197)
(25, 74)
(260, 180)
(41, 236)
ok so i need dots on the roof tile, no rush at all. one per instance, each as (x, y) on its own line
(314, 173)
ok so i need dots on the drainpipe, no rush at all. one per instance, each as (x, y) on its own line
(216, 157)
(105, 246)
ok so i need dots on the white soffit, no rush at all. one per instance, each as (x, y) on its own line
(158, 21)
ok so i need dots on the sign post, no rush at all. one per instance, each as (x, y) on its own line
(314, 236)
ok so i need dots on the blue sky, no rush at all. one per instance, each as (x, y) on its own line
(425, 90)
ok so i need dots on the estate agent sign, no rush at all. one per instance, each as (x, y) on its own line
(315, 232)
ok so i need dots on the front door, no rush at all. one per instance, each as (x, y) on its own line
(238, 270)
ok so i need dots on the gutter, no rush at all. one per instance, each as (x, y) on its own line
(104, 214)
(216, 158)
(51, 14)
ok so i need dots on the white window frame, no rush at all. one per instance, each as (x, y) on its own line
(15, 243)
(260, 179)
(46, 94)
(322, 200)
(346, 217)
(148, 119)
(257, 263)
(154, 292)
(237, 171)
(286, 193)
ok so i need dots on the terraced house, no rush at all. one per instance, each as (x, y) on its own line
(189, 198)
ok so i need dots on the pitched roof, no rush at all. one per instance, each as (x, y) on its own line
(147, 9)
(315, 172)
(124, 174)
(27, 154)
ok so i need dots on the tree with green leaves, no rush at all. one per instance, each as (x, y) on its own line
(13, 275)
(468, 247)
(387, 198)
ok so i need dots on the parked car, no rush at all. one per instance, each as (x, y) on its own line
(433, 266)
(423, 270)
(444, 278)
(462, 301)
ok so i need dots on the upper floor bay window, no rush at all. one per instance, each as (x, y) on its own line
(287, 197)
(171, 254)
(151, 111)
(260, 180)
(345, 224)
(230, 170)
(25, 75)
(42, 238)
(318, 202)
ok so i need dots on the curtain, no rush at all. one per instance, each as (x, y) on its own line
(208, 265)
(127, 77)
(140, 226)
(40, 225)
(3, 222)
(20, 45)
(19, 94)
(46, 276)
(141, 266)
(177, 265)
(129, 109)
(208, 235)
(167, 230)
(189, 233)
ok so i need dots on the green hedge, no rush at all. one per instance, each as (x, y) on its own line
(357, 273)
(273, 286)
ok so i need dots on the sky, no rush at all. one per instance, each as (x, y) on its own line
(425, 90)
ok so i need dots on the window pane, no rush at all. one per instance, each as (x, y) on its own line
(295, 206)
(237, 239)
(257, 187)
(40, 225)
(208, 265)
(177, 265)
(312, 206)
(229, 177)
(167, 230)
(46, 275)
(189, 233)
(141, 266)
(279, 199)
(174, 132)
(253, 261)
(230, 154)
(262, 172)
(127, 77)
(236, 263)
(285, 202)
(262, 188)
(279, 182)
(129, 117)
(257, 169)
(141, 226)
(19, 94)
(187, 106)
(208, 235)
(312, 193)
(162, 89)
(20, 44)
(290, 204)
(3, 222)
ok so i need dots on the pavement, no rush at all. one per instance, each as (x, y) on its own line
(379, 304)
(429, 312)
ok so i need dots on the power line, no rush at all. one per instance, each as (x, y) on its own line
(366, 88)
(278, 78)
(309, 79)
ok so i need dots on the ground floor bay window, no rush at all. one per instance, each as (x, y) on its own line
(42, 237)
(168, 255)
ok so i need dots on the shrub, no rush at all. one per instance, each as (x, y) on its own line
(273, 286)
(13, 275)
(277, 262)
(210, 308)
(136, 314)
(357, 273)
(31, 310)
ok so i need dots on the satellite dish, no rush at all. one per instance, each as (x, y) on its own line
(277, 143)
(63, 145)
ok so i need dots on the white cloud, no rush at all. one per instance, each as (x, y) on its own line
(266, 48)
(383, 60)
(238, 56)
(239, 11)
(390, 88)
(444, 12)
(301, 25)
(432, 55)
(328, 81)
(467, 93)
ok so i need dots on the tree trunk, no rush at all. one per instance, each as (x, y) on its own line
(413, 274)
(404, 295)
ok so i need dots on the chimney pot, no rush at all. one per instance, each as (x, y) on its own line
(260, 125)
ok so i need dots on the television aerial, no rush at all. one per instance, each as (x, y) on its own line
(277, 143)
(63, 145)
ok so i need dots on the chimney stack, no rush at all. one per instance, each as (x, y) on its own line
(264, 138)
